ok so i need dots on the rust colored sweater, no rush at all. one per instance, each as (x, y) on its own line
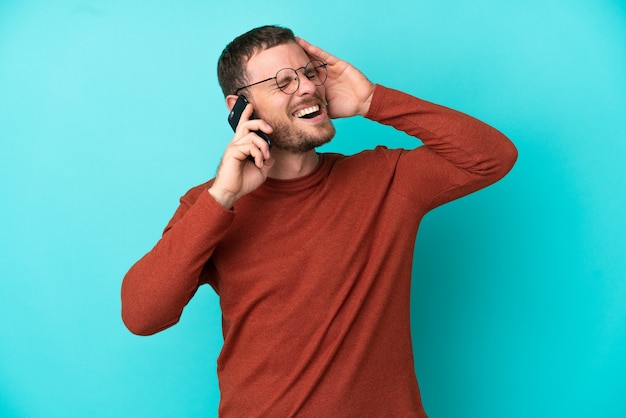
(314, 274)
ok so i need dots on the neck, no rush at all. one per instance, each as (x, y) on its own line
(289, 165)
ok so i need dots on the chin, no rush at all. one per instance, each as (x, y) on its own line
(301, 140)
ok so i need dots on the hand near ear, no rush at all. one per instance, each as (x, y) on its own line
(237, 175)
(348, 91)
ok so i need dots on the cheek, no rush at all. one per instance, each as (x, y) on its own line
(278, 114)
(274, 110)
(276, 120)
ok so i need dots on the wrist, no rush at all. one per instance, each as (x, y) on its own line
(365, 107)
(226, 200)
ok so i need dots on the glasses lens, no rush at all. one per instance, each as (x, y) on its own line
(287, 80)
(316, 72)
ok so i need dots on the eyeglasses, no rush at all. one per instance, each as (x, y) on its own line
(288, 81)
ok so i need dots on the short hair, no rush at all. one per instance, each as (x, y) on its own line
(231, 72)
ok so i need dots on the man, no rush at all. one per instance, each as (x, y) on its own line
(310, 253)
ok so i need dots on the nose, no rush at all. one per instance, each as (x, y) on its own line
(306, 86)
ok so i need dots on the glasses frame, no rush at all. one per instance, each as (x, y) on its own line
(295, 70)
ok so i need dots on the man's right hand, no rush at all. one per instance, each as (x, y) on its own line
(237, 175)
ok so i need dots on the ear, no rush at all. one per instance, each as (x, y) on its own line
(230, 101)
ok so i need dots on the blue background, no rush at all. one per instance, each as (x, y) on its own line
(110, 110)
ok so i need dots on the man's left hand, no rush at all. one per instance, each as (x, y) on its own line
(348, 91)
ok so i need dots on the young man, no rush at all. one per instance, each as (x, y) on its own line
(311, 253)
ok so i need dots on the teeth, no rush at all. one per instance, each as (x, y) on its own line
(306, 111)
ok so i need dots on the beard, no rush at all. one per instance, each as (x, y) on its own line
(288, 136)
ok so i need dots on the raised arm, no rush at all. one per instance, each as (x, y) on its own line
(461, 154)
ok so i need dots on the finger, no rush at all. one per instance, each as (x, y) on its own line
(242, 153)
(267, 165)
(255, 126)
(246, 114)
(251, 147)
(256, 156)
(259, 125)
(246, 125)
(316, 52)
(262, 145)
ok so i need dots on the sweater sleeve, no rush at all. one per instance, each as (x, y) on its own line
(460, 154)
(158, 286)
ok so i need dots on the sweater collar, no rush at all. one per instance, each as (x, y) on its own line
(301, 183)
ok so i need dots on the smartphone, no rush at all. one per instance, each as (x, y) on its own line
(235, 115)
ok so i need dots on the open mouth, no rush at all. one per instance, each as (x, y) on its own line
(308, 112)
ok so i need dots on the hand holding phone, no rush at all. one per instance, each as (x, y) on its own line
(235, 115)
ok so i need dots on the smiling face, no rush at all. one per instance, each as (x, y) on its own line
(300, 121)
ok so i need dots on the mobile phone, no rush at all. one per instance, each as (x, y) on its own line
(235, 115)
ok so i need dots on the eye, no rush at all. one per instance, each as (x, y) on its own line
(311, 74)
(285, 78)
(315, 70)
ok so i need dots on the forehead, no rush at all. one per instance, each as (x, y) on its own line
(267, 62)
